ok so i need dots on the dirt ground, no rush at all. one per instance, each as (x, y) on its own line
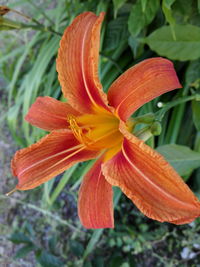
(8, 207)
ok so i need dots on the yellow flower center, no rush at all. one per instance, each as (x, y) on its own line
(96, 131)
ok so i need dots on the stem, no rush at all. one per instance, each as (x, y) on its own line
(160, 114)
(10, 23)
(25, 16)
(41, 11)
(113, 62)
(11, 192)
(61, 184)
(116, 54)
(22, 25)
(144, 133)
(41, 28)
(174, 124)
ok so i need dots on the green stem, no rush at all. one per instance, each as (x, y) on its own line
(160, 114)
(41, 11)
(174, 124)
(25, 16)
(18, 25)
(10, 23)
(86, 169)
(41, 28)
(115, 56)
(161, 138)
(112, 61)
(64, 180)
(144, 133)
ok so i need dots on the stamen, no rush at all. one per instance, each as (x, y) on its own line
(78, 130)
(11, 192)
(84, 133)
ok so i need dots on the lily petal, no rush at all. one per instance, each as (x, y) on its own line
(151, 183)
(95, 206)
(50, 114)
(47, 158)
(77, 63)
(140, 84)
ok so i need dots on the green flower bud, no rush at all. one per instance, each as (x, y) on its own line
(156, 128)
(147, 118)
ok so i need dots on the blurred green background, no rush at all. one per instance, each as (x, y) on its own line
(40, 227)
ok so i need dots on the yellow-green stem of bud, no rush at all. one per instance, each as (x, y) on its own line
(145, 135)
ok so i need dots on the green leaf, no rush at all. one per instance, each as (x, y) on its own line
(22, 252)
(182, 158)
(7, 24)
(185, 11)
(98, 261)
(48, 260)
(196, 114)
(116, 33)
(91, 244)
(138, 19)
(53, 241)
(197, 182)
(6, 28)
(87, 264)
(76, 248)
(116, 260)
(144, 5)
(62, 183)
(192, 74)
(19, 238)
(197, 142)
(185, 47)
(29, 228)
(169, 3)
(117, 5)
(198, 5)
(136, 46)
(166, 7)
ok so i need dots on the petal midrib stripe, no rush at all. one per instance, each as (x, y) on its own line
(153, 184)
(50, 157)
(54, 165)
(83, 67)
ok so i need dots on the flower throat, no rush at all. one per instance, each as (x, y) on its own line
(96, 131)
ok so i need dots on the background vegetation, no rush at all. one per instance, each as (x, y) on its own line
(40, 227)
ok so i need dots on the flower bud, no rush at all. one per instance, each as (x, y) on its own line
(156, 128)
(147, 118)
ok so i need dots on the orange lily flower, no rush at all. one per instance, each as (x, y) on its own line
(94, 125)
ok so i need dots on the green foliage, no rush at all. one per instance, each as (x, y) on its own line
(192, 74)
(26, 237)
(7, 24)
(117, 4)
(170, 28)
(182, 158)
(19, 238)
(24, 251)
(116, 33)
(141, 15)
(167, 10)
(196, 114)
(184, 47)
(48, 260)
